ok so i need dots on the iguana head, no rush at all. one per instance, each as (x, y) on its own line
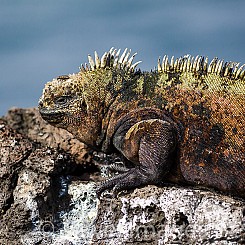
(79, 102)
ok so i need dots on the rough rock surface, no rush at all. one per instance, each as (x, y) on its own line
(35, 177)
(170, 215)
(48, 197)
(29, 123)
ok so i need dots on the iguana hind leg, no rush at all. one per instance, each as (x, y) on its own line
(149, 144)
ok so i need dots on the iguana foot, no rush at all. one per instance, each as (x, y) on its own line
(135, 177)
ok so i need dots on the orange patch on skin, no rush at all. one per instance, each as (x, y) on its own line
(201, 164)
(226, 152)
(216, 170)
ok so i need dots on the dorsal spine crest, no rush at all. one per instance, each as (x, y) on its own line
(189, 63)
(110, 59)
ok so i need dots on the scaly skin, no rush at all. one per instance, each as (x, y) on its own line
(183, 123)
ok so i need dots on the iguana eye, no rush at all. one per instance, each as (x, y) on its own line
(62, 100)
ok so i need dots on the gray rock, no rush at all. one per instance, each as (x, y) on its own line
(170, 215)
(47, 196)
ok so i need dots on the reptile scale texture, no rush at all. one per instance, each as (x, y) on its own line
(181, 123)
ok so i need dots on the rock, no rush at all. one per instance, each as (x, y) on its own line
(47, 196)
(29, 123)
(170, 215)
(14, 149)
(34, 181)
(76, 220)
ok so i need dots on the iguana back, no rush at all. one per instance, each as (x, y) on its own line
(208, 101)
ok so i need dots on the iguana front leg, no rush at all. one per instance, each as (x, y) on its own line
(148, 144)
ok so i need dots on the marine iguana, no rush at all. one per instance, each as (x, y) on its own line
(183, 122)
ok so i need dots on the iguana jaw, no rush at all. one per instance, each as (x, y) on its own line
(51, 116)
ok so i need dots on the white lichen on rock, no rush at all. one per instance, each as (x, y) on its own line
(78, 222)
(171, 215)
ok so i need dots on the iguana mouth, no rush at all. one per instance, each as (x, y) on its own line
(53, 117)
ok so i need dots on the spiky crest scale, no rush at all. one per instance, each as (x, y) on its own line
(189, 63)
(111, 58)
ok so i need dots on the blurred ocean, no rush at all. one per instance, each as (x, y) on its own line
(40, 40)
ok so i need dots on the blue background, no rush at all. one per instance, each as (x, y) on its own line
(40, 40)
